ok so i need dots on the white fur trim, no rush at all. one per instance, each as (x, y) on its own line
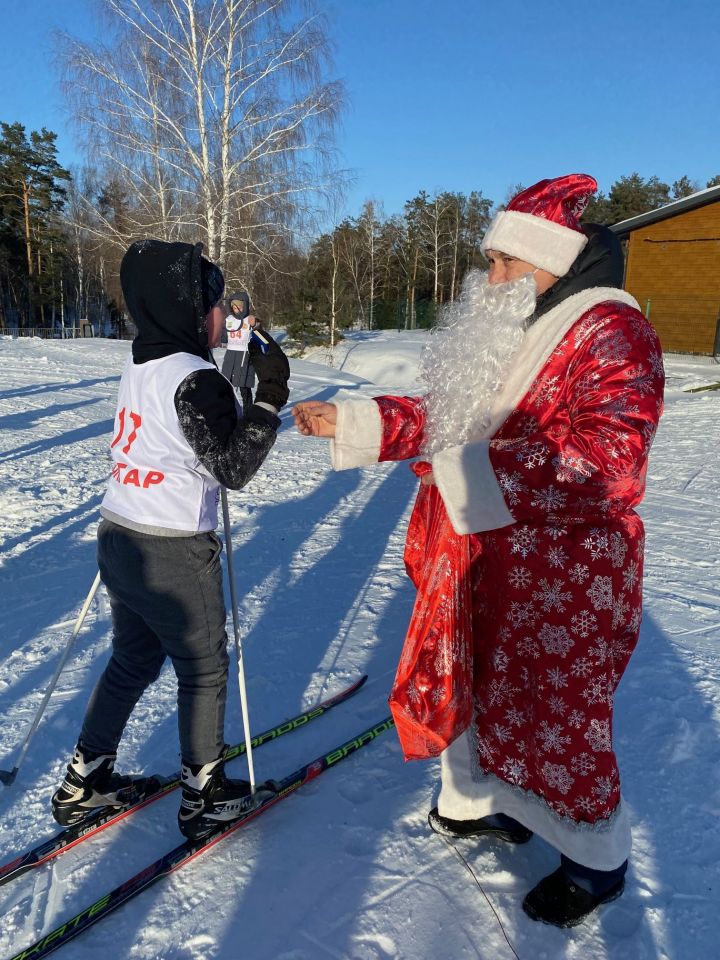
(543, 243)
(602, 846)
(464, 474)
(358, 434)
(541, 340)
(469, 488)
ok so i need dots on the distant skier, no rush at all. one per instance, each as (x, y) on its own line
(178, 435)
(236, 365)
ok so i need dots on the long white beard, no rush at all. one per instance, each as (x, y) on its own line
(468, 357)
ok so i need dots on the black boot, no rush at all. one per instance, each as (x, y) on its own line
(210, 799)
(558, 901)
(484, 827)
(91, 782)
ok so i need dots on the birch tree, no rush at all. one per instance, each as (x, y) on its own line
(215, 114)
(368, 224)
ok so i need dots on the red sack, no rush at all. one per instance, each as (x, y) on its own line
(431, 699)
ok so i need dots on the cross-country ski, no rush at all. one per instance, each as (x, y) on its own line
(158, 786)
(182, 854)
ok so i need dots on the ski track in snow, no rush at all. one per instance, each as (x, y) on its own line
(346, 868)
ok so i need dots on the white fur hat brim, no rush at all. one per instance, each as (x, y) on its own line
(543, 243)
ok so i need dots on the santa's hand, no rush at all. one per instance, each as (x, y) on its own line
(428, 479)
(314, 418)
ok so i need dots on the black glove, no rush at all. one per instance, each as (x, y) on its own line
(272, 370)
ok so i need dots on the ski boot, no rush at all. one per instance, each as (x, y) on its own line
(210, 799)
(91, 782)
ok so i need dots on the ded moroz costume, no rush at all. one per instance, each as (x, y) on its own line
(537, 434)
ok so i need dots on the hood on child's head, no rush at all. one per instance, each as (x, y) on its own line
(162, 287)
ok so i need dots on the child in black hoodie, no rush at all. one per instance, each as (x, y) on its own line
(179, 435)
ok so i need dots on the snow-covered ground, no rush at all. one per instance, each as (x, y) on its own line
(345, 868)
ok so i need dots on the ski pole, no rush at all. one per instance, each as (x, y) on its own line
(238, 642)
(8, 776)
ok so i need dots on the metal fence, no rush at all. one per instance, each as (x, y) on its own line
(46, 333)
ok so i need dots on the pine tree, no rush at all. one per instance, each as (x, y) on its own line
(630, 196)
(683, 188)
(32, 194)
(597, 209)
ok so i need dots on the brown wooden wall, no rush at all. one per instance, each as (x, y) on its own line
(675, 264)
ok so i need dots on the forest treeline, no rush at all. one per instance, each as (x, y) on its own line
(215, 122)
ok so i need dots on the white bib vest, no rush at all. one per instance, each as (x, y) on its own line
(157, 481)
(239, 339)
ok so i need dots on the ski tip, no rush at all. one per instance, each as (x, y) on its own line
(354, 687)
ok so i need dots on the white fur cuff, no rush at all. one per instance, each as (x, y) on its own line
(358, 434)
(469, 488)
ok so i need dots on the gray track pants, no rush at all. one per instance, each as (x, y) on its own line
(166, 599)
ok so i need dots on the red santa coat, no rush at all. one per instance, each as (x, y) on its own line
(557, 549)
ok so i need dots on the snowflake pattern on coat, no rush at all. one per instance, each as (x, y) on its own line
(557, 595)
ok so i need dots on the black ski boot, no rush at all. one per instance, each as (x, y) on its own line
(91, 782)
(558, 901)
(513, 832)
(210, 799)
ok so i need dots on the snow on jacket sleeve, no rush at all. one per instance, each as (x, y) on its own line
(230, 447)
(576, 448)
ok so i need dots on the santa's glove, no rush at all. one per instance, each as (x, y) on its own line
(272, 371)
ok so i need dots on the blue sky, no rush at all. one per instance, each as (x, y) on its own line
(468, 94)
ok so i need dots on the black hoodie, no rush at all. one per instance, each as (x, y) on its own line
(161, 283)
(162, 286)
(599, 264)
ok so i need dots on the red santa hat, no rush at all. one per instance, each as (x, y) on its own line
(541, 225)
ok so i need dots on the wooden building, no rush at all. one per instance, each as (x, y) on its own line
(672, 268)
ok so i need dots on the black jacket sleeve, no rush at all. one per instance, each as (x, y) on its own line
(229, 446)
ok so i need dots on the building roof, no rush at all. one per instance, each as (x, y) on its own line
(695, 200)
